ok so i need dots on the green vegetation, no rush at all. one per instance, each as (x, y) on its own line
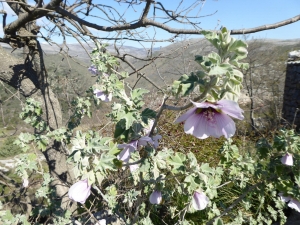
(8, 148)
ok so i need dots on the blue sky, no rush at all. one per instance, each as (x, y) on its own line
(234, 14)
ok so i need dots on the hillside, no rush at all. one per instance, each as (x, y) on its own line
(69, 76)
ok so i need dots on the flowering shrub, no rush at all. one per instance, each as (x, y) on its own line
(136, 178)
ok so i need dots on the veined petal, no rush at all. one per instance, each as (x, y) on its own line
(225, 125)
(198, 126)
(186, 115)
(231, 108)
(199, 200)
(191, 123)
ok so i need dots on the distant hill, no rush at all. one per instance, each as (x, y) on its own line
(69, 76)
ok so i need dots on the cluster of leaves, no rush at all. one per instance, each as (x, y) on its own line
(219, 77)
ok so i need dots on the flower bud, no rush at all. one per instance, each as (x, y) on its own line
(155, 197)
(80, 191)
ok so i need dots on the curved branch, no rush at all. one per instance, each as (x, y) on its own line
(267, 27)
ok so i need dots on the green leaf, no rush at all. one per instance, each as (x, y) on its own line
(105, 162)
(147, 114)
(218, 221)
(130, 118)
(177, 161)
(137, 94)
(185, 85)
(221, 69)
(120, 131)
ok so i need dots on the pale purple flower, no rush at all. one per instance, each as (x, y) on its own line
(199, 200)
(25, 183)
(294, 204)
(103, 95)
(143, 141)
(155, 197)
(211, 119)
(127, 150)
(93, 69)
(287, 159)
(80, 191)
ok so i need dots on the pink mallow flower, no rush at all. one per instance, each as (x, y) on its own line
(103, 95)
(155, 197)
(80, 191)
(287, 159)
(211, 119)
(199, 200)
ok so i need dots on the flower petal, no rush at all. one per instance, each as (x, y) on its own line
(287, 159)
(225, 125)
(294, 204)
(197, 126)
(205, 105)
(186, 115)
(199, 200)
(231, 108)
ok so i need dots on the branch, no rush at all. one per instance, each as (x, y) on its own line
(266, 27)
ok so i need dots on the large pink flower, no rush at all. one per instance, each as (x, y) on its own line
(80, 191)
(211, 119)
